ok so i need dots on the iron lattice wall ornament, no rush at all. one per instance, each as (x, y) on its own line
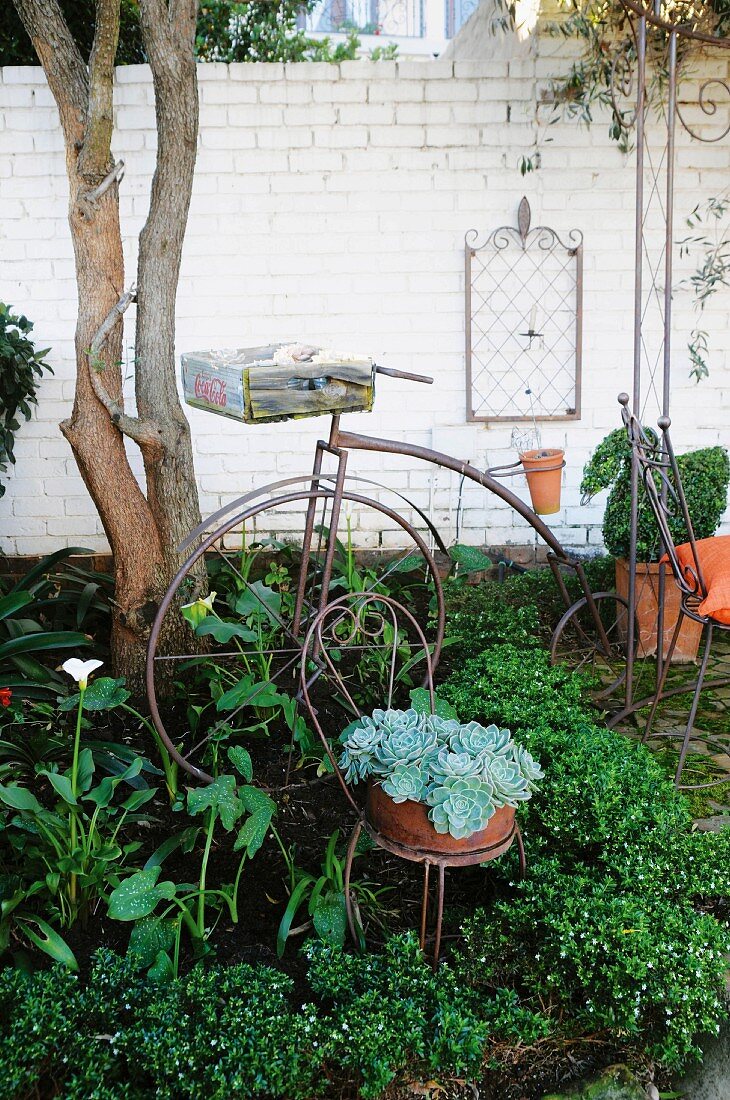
(524, 314)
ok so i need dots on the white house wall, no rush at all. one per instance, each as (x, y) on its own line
(330, 204)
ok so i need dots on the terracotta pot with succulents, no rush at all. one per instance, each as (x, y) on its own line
(435, 784)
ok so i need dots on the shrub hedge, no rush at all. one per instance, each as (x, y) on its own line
(617, 931)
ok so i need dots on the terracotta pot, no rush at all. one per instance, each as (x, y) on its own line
(647, 607)
(544, 473)
(407, 823)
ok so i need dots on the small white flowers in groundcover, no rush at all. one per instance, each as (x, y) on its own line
(80, 670)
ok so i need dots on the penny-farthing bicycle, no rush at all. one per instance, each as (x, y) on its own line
(280, 552)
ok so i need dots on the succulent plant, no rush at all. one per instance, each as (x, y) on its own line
(406, 782)
(510, 787)
(450, 765)
(461, 806)
(404, 746)
(463, 773)
(475, 739)
(528, 766)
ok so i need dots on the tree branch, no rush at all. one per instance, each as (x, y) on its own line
(96, 150)
(144, 432)
(62, 63)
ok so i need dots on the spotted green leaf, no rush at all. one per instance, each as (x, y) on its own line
(137, 896)
(220, 798)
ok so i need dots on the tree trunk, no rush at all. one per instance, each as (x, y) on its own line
(143, 530)
(98, 445)
(170, 474)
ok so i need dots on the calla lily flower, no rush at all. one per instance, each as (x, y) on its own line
(80, 670)
(194, 613)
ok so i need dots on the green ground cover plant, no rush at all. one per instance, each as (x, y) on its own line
(616, 939)
(620, 922)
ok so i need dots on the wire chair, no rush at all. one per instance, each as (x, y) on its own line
(660, 477)
(373, 623)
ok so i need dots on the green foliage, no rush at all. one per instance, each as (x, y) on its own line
(462, 772)
(605, 33)
(516, 688)
(711, 237)
(324, 897)
(705, 476)
(21, 370)
(608, 928)
(238, 1031)
(16, 47)
(226, 30)
(35, 616)
(262, 31)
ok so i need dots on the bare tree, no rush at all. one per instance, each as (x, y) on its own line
(143, 528)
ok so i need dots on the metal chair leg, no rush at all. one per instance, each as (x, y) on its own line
(424, 905)
(663, 678)
(693, 708)
(439, 915)
(348, 867)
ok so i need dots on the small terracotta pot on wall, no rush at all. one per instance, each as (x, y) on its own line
(544, 472)
(647, 607)
(407, 823)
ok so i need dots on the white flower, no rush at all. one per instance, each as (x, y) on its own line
(80, 670)
(200, 609)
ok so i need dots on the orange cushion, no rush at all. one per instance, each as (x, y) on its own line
(714, 557)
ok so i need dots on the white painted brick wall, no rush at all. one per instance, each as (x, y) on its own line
(331, 203)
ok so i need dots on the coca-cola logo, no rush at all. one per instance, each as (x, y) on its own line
(212, 390)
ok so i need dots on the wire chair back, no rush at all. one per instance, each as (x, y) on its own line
(362, 635)
(660, 477)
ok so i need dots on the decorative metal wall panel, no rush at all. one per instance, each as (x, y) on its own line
(524, 292)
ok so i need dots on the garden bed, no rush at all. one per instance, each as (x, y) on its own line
(610, 950)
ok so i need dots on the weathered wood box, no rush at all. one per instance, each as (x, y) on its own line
(278, 382)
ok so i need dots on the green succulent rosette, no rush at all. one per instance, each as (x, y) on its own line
(447, 764)
(510, 787)
(476, 739)
(404, 746)
(406, 783)
(461, 806)
(528, 766)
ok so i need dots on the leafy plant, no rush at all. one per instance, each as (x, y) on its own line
(613, 925)
(324, 898)
(65, 857)
(711, 235)
(705, 477)
(21, 370)
(605, 33)
(464, 773)
(34, 616)
(137, 898)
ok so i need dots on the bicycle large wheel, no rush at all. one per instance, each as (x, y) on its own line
(234, 657)
(592, 639)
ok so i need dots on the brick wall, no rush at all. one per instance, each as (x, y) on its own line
(331, 203)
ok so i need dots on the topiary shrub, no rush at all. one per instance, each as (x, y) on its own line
(705, 477)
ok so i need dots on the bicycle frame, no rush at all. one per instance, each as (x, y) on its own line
(340, 443)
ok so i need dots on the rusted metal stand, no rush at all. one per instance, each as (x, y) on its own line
(429, 859)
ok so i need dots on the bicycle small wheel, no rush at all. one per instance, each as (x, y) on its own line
(239, 667)
(593, 639)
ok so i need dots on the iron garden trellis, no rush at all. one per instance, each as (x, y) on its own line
(523, 323)
(654, 244)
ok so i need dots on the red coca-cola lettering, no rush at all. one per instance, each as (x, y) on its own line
(212, 390)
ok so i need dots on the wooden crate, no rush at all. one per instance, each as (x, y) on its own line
(265, 384)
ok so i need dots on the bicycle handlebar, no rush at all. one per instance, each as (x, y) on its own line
(404, 374)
